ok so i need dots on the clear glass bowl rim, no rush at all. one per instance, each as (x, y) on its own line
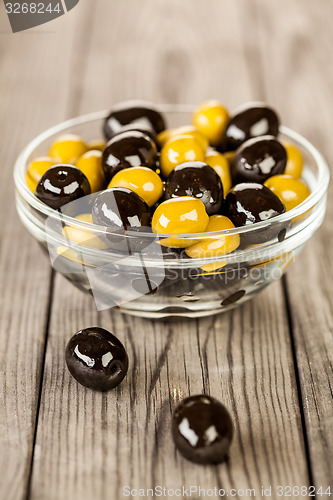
(30, 198)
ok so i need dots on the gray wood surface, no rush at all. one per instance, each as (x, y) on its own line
(269, 361)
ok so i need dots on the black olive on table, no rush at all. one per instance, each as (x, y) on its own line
(96, 359)
(202, 429)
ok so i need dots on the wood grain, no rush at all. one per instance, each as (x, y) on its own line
(33, 97)
(299, 57)
(89, 444)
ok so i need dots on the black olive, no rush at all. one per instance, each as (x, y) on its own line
(258, 159)
(135, 113)
(199, 180)
(251, 120)
(96, 359)
(120, 208)
(131, 148)
(62, 184)
(202, 429)
(250, 202)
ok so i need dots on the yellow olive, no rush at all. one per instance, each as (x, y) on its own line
(294, 165)
(90, 163)
(81, 235)
(37, 169)
(96, 144)
(69, 254)
(290, 191)
(180, 149)
(142, 180)
(229, 156)
(164, 136)
(211, 118)
(68, 148)
(215, 246)
(181, 215)
(221, 166)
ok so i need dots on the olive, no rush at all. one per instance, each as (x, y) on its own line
(295, 161)
(257, 159)
(142, 180)
(215, 246)
(202, 429)
(90, 163)
(96, 359)
(128, 149)
(67, 148)
(81, 235)
(289, 190)
(251, 120)
(248, 203)
(120, 208)
(136, 113)
(199, 180)
(36, 169)
(220, 164)
(62, 184)
(167, 134)
(179, 216)
(179, 149)
(211, 118)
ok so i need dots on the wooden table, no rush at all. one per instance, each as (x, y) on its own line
(269, 361)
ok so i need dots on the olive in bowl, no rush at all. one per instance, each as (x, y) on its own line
(62, 184)
(132, 148)
(248, 203)
(258, 159)
(133, 113)
(250, 120)
(197, 179)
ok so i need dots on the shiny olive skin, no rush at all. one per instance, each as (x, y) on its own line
(197, 179)
(248, 203)
(96, 359)
(135, 113)
(251, 120)
(142, 180)
(62, 184)
(258, 159)
(202, 429)
(128, 149)
(120, 208)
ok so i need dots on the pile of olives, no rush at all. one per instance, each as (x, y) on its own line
(222, 171)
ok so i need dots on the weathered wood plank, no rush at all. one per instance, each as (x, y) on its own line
(33, 97)
(297, 58)
(90, 444)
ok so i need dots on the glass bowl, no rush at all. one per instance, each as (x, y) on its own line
(138, 272)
